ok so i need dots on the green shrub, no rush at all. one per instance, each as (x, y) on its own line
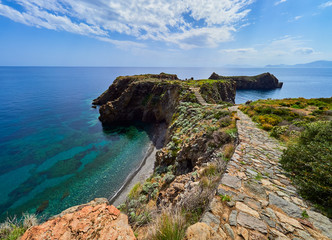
(225, 198)
(271, 119)
(225, 121)
(267, 126)
(13, 228)
(232, 132)
(309, 162)
(16, 233)
(135, 191)
(278, 130)
(219, 114)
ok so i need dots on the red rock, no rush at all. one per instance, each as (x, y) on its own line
(95, 220)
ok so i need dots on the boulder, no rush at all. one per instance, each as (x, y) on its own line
(95, 220)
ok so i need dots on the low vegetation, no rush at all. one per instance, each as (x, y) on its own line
(170, 224)
(305, 125)
(309, 162)
(287, 118)
(14, 228)
(211, 130)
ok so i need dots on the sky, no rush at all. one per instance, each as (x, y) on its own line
(164, 33)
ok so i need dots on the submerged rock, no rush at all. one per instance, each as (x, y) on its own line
(94, 220)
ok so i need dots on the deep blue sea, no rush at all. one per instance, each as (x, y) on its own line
(54, 152)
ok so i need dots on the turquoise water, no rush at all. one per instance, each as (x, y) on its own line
(53, 149)
(54, 153)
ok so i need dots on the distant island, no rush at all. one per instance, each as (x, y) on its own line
(316, 64)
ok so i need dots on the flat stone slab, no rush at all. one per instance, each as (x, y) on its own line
(321, 222)
(251, 222)
(211, 220)
(290, 208)
(231, 181)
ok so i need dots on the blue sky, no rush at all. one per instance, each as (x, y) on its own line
(206, 33)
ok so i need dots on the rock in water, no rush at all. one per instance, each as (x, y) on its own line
(95, 220)
(261, 81)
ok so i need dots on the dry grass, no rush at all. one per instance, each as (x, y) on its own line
(169, 225)
(228, 150)
(29, 220)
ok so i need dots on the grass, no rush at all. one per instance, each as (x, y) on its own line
(13, 228)
(259, 177)
(225, 198)
(135, 191)
(305, 214)
(210, 170)
(169, 225)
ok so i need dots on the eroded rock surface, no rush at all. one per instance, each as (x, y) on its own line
(95, 220)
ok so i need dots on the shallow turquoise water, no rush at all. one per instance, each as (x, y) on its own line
(53, 149)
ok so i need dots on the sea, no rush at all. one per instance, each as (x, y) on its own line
(54, 152)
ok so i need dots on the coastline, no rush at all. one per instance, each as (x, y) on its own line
(145, 169)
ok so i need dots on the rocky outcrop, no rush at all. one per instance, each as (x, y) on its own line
(121, 83)
(262, 81)
(95, 220)
(217, 92)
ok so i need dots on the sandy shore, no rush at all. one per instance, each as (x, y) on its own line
(144, 171)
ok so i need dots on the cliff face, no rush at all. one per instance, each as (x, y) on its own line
(262, 81)
(154, 98)
(217, 92)
(145, 101)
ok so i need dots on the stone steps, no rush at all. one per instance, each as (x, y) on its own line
(255, 199)
(198, 96)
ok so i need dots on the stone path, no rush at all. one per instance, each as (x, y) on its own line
(255, 200)
(198, 96)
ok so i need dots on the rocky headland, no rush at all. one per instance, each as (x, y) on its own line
(217, 175)
(261, 81)
(154, 98)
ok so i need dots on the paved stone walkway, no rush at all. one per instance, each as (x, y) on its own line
(255, 200)
(198, 96)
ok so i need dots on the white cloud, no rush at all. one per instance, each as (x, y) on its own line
(287, 49)
(239, 50)
(297, 18)
(326, 4)
(280, 1)
(186, 23)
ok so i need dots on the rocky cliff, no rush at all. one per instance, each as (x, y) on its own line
(262, 81)
(154, 98)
